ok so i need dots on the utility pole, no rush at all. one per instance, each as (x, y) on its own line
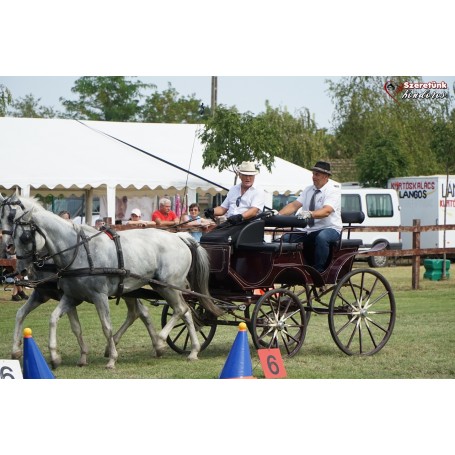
(214, 93)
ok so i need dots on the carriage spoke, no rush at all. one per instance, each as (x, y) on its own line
(364, 298)
(279, 321)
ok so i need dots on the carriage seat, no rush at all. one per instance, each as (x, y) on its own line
(349, 218)
(251, 238)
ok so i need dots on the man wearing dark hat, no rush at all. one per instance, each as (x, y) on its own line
(321, 207)
(244, 200)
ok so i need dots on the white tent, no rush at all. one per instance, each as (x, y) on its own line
(72, 157)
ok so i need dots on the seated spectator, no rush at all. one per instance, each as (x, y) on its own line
(165, 216)
(136, 218)
(194, 219)
(65, 215)
(99, 223)
(18, 291)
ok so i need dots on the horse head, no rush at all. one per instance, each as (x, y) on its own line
(22, 237)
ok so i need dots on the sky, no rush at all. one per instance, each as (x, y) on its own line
(247, 93)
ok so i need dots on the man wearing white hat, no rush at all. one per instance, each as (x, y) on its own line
(244, 200)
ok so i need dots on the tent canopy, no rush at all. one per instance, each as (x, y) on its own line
(56, 154)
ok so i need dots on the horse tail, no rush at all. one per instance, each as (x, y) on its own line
(198, 275)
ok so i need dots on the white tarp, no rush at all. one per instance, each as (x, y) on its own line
(59, 154)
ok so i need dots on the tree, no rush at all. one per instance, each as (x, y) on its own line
(299, 139)
(443, 142)
(169, 107)
(29, 107)
(381, 159)
(364, 112)
(231, 137)
(5, 99)
(113, 98)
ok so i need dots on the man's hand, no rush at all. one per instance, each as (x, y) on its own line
(235, 219)
(209, 213)
(274, 212)
(305, 215)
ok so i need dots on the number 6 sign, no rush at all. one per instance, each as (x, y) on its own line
(272, 363)
(10, 369)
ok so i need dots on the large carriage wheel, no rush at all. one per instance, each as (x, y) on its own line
(279, 321)
(362, 312)
(179, 338)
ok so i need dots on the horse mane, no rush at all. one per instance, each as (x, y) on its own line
(33, 203)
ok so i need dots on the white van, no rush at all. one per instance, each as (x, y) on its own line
(381, 208)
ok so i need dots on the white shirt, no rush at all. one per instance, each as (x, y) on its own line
(252, 197)
(330, 194)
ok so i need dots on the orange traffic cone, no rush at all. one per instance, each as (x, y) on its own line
(35, 367)
(238, 363)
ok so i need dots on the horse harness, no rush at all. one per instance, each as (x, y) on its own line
(83, 239)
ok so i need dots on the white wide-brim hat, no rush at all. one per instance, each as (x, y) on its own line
(247, 168)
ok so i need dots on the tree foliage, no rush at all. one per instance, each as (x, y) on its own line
(231, 137)
(382, 158)
(170, 107)
(5, 99)
(109, 98)
(298, 138)
(365, 116)
(443, 142)
(30, 107)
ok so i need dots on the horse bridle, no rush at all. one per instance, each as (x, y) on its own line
(29, 236)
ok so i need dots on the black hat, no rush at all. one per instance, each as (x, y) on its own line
(322, 166)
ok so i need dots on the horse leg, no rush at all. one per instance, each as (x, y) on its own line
(136, 310)
(34, 301)
(63, 307)
(131, 316)
(181, 311)
(143, 313)
(77, 330)
(102, 307)
(195, 345)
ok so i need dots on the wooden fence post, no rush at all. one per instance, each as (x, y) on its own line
(415, 259)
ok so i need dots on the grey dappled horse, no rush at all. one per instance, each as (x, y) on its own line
(48, 290)
(89, 268)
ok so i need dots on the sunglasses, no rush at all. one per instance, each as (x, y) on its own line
(237, 202)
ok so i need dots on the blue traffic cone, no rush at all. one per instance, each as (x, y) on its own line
(238, 362)
(35, 367)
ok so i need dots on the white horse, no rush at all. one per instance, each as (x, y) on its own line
(47, 290)
(92, 267)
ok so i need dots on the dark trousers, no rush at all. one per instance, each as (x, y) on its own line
(316, 245)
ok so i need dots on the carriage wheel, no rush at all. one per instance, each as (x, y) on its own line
(362, 312)
(303, 294)
(179, 338)
(279, 321)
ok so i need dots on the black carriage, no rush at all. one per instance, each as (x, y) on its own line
(271, 287)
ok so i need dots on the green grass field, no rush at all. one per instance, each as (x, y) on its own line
(422, 344)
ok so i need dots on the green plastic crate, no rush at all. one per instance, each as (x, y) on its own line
(433, 269)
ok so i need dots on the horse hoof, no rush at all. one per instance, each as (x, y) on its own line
(16, 355)
(56, 363)
(159, 353)
(192, 357)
